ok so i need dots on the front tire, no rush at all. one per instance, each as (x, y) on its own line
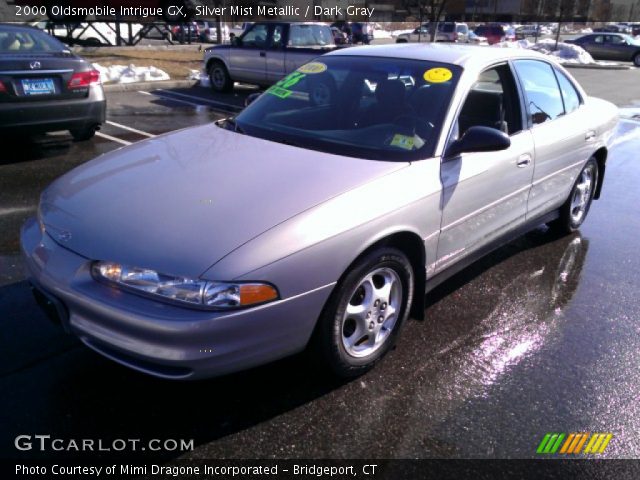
(636, 59)
(364, 314)
(220, 78)
(576, 207)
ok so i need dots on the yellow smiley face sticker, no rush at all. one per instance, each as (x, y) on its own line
(438, 75)
(313, 67)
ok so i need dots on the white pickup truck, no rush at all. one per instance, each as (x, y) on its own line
(266, 52)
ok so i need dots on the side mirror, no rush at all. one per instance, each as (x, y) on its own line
(235, 41)
(479, 139)
(251, 98)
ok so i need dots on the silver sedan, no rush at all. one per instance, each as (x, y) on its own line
(319, 216)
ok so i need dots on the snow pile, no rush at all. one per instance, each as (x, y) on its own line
(200, 76)
(129, 74)
(518, 44)
(566, 52)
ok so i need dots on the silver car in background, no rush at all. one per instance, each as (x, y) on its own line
(319, 216)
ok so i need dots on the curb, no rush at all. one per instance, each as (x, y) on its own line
(592, 66)
(127, 87)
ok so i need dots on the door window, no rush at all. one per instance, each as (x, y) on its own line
(492, 102)
(615, 40)
(256, 36)
(597, 39)
(277, 36)
(541, 89)
(570, 95)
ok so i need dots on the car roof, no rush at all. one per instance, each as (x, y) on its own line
(466, 56)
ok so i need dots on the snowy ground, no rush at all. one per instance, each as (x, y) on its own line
(566, 52)
(129, 74)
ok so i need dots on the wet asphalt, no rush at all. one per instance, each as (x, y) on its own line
(540, 336)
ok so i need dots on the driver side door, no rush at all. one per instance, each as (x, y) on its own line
(248, 60)
(485, 193)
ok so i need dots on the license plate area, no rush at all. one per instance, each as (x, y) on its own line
(38, 86)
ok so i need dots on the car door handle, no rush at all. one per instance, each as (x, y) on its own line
(263, 54)
(524, 160)
(590, 135)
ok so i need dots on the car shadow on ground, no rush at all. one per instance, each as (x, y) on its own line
(25, 148)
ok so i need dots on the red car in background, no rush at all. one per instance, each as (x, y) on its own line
(493, 33)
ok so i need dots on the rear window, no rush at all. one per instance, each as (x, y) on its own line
(13, 40)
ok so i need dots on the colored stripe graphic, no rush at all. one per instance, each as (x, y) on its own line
(574, 443)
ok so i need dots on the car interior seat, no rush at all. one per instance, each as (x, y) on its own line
(482, 108)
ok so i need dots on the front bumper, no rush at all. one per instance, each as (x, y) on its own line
(162, 339)
(52, 115)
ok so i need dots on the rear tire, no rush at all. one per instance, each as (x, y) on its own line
(576, 207)
(365, 312)
(82, 134)
(636, 59)
(220, 78)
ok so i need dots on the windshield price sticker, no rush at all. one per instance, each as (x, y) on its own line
(438, 75)
(402, 141)
(281, 89)
(313, 67)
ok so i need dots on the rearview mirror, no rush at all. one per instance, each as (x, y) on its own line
(479, 139)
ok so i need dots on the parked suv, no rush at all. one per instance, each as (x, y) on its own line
(453, 32)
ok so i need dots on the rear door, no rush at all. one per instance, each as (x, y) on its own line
(485, 193)
(617, 47)
(562, 139)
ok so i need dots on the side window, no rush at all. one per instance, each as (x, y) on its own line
(276, 39)
(615, 40)
(569, 93)
(256, 36)
(492, 102)
(597, 39)
(541, 90)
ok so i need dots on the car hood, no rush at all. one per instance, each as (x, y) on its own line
(180, 202)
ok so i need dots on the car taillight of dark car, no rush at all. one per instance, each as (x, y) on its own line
(84, 79)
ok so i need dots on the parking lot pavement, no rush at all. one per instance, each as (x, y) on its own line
(540, 336)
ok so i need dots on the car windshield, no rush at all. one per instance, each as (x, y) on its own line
(367, 107)
(22, 40)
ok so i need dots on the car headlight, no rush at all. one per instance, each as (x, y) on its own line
(195, 292)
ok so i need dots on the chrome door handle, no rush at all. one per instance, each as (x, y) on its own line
(590, 135)
(524, 160)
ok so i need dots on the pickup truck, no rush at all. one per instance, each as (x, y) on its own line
(266, 52)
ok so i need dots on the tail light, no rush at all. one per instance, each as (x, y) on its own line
(3, 89)
(84, 79)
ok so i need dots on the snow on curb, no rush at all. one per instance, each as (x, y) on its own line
(129, 74)
(566, 52)
(201, 77)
